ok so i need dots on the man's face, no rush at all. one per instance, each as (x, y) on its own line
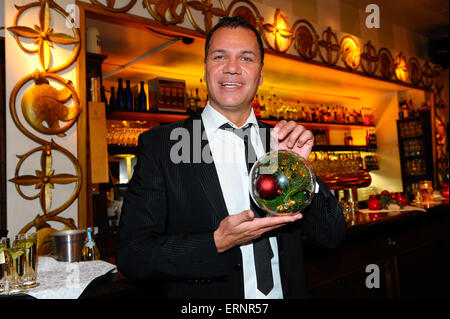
(233, 69)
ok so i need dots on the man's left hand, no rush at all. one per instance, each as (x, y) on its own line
(293, 137)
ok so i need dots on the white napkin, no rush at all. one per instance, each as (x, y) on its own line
(64, 280)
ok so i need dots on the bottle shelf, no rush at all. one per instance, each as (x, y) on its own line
(176, 116)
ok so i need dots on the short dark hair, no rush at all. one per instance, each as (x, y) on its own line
(235, 22)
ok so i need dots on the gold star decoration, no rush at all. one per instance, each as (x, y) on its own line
(45, 179)
(43, 35)
(280, 32)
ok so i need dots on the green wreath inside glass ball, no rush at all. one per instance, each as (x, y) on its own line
(282, 183)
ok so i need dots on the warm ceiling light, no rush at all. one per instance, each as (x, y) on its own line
(401, 68)
(351, 52)
(280, 34)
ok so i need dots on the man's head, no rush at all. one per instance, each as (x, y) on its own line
(233, 65)
(235, 22)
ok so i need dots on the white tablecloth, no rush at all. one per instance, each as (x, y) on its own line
(64, 280)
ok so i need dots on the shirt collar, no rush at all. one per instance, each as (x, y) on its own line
(213, 120)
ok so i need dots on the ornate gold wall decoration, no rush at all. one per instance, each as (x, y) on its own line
(160, 9)
(43, 107)
(208, 11)
(306, 40)
(279, 32)
(331, 47)
(351, 52)
(369, 58)
(415, 72)
(43, 35)
(246, 10)
(43, 104)
(386, 63)
(110, 5)
(427, 75)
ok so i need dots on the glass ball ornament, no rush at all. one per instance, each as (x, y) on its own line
(282, 183)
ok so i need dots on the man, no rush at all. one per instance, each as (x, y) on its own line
(188, 224)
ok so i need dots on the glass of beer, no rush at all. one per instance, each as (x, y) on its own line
(13, 270)
(27, 244)
(426, 192)
(3, 247)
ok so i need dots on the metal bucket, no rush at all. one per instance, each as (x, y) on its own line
(68, 244)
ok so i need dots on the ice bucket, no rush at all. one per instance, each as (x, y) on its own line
(68, 244)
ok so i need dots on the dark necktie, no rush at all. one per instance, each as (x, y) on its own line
(261, 246)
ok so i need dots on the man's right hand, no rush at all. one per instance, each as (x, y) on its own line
(243, 227)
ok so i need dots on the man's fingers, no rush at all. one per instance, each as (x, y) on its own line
(306, 137)
(284, 128)
(246, 215)
(298, 131)
(273, 221)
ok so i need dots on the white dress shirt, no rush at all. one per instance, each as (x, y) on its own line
(228, 152)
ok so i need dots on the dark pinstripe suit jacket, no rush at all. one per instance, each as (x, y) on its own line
(171, 211)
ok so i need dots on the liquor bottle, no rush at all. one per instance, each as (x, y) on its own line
(371, 120)
(142, 99)
(103, 96)
(313, 114)
(197, 100)
(275, 106)
(303, 116)
(203, 94)
(351, 117)
(367, 138)
(90, 249)
(327, 115)
(262, 107)
(128, 97)
(192, 104)
(112, 100)
(405, 110)
(373, 139)
(120, 96)
(359, 118)
(296, 111)
(269, 107)
(256, 106)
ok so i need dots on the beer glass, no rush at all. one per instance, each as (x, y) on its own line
(27, 244)
(3, 260)
(426, 191)
(13, 270)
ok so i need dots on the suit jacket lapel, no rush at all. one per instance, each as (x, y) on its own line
(205, 171)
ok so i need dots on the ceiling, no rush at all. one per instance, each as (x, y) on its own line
(182, 61)
(427, 17)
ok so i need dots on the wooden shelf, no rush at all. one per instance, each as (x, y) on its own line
(114, 149)
(173, 117)
(343, 148)
(152, 117)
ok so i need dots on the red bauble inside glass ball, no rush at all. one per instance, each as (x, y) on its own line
(267, 186)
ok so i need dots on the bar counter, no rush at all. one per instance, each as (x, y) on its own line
(410, 250)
